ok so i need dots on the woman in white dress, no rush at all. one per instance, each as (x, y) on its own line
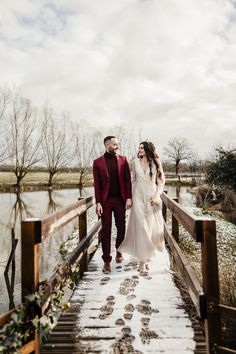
(145, 229)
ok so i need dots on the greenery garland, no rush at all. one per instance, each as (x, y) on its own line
(69, 244)
(25, 319)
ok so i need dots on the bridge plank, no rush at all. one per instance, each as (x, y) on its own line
(145, 315)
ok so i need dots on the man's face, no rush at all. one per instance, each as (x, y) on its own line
(112, 146)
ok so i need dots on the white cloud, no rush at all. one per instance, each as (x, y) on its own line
(166, 65)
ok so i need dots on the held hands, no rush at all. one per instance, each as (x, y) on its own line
(99, 209)
(128, 203)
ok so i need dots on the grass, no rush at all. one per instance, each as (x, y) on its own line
(7, 178)
(37, 178)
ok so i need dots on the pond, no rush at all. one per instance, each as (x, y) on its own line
(16, 207)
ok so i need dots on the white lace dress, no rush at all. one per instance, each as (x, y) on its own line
(145, 229)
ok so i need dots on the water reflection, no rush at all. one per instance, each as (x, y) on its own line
(15, 207)
(177, 191)
(53, 202)
(183, 193)
(10, 283)
(18, 211)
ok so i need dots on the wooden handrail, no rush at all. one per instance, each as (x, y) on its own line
(33, 232)
(61, 218)
(193, 285)
(28, 347)
(5, 317)
(227, 311)
(205, 298)
(224, 350)
(75, 256)
(191, 223)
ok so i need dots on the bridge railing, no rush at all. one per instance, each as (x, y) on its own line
(33, 233)
(205, 297)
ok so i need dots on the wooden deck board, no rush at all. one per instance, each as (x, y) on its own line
(125, 312)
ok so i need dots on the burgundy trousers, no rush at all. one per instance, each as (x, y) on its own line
(116, 205)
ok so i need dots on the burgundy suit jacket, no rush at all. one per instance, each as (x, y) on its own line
(101, 178)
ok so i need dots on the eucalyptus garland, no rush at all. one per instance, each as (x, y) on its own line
(22, 323)
(69, 244)
(25, 319)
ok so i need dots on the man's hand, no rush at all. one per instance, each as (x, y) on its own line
(128, 203)
(99, 209)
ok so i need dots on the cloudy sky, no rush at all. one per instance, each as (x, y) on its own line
(166, 66)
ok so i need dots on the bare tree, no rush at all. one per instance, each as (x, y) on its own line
(56, 145)
(88, 145)
(178, 149)
(84, 147)
(98, 146)
(129, 140)
(4, 100)
(23, 139)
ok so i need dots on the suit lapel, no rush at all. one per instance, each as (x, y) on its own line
(104, 166)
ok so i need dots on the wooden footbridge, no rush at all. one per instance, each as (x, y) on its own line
(123, 312)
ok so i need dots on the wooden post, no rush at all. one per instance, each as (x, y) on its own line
(211, 286)
(82, 234)
(30, 239)
(175, 225)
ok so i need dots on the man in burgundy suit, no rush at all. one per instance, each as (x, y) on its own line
(112, 184)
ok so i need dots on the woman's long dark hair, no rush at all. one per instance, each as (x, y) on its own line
(152, 156)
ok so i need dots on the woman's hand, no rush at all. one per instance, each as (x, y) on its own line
(153, 201)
